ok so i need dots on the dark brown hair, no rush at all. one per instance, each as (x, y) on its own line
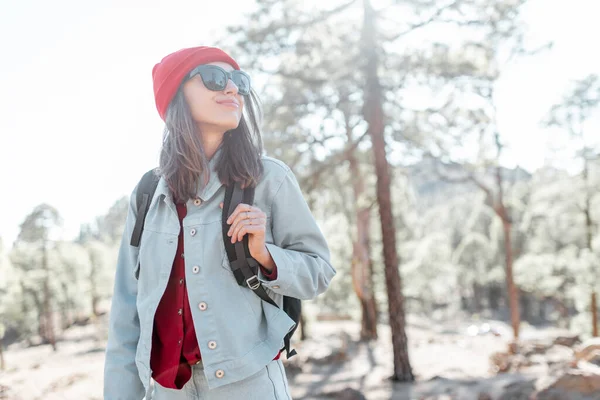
(183, 160)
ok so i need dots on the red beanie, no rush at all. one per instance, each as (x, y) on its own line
(168, 74)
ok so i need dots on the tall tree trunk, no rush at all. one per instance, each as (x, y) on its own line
(513, 293)
(477, 294)
(95, 301)
(48, 317)
(500, 209)
(2, 363)
(373, 111)
(560, 305)
(67, 310)
(93, 284)
(494, 296)
(594, 315)
(302, 325)
(588, 238)
(362, 266)
(24, 306)
(542, 310)
(362, 277)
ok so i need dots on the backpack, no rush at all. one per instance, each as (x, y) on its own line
(243, 266)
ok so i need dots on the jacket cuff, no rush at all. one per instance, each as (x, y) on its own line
(281, 266)
(271, 276)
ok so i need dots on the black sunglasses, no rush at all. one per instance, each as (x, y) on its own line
(215, 78)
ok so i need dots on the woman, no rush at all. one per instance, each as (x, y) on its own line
(178, 315)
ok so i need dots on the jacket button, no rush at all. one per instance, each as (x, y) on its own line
(197, 201)
(220, 373)
(193, 232)
(202, 306)
(180, 311)
(196, 269)
(212, 345)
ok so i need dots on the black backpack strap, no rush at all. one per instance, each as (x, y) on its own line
(144, 195)
(234, 195)
(243, 265)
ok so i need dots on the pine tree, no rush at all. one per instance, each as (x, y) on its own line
(571, 114)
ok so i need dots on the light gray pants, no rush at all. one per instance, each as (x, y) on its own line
(270, 383)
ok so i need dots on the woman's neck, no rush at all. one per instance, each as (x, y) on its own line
(211, 144)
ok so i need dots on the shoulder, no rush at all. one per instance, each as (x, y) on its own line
(275, 170)
(271, 163)
(276, 174)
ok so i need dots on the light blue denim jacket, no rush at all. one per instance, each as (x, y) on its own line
(248, 332)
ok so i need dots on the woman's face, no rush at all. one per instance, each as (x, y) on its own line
(214, 111)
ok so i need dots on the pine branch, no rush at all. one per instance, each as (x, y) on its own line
(311, 180)
(285, 24)
(423, 23)
(468, 177)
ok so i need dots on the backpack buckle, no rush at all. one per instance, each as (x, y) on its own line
(253, 282)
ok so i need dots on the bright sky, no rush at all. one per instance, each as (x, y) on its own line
(79, 125)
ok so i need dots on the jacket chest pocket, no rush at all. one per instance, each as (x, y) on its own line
(251, 302)
(157, 252)
(251, 299)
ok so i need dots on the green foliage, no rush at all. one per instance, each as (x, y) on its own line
(38, 225)
(77, 271)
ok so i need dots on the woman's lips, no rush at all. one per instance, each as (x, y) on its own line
(231, 104)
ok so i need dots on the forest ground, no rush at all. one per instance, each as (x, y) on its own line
(449, 359)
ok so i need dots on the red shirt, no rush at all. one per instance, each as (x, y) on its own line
(174, 345)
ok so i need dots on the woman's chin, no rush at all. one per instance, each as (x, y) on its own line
(229, 125)
(224, 125)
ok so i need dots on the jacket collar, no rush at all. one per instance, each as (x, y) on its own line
(204, 192)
